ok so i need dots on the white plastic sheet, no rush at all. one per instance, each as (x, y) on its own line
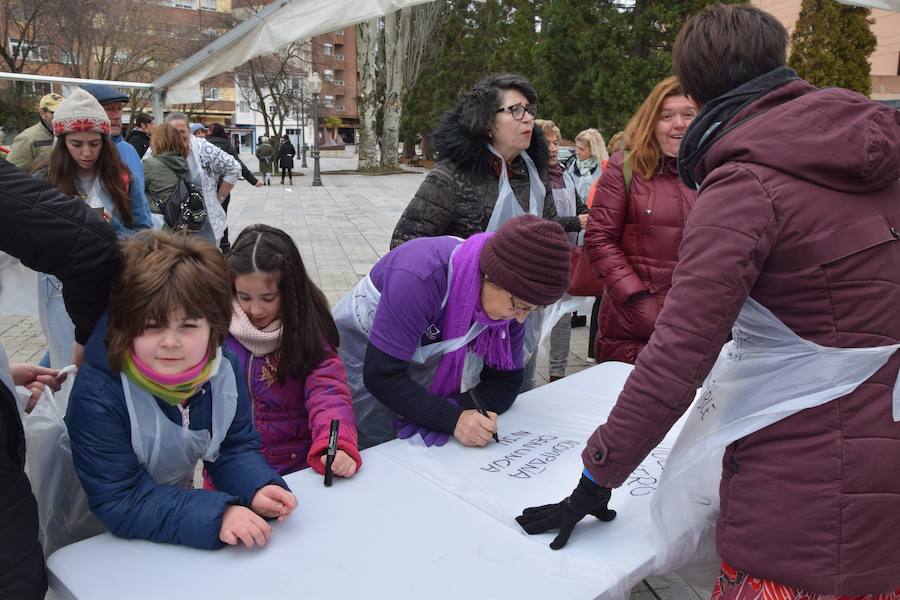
(294, 20)
(766, 374)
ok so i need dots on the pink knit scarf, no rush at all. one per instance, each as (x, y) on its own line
(259, 342)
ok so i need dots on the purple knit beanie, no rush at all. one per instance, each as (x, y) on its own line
(529, 258)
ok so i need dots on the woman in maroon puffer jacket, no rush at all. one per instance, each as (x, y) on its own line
(632, 237)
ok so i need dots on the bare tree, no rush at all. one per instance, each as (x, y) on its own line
(22, 20)
(407, 34)
(274, 85)
(367, 34)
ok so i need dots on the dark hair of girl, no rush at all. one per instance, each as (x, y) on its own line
(305, 315)
(62, 173)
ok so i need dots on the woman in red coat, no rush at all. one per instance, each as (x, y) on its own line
(632, 237)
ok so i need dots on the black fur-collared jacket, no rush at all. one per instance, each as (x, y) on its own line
(458, 195)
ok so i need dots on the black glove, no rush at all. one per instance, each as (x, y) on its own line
(587, 499)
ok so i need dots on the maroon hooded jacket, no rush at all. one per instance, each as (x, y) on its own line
(800, 209)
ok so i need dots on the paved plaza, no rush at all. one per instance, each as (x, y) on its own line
(341, 229)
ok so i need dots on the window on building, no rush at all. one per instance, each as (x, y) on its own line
(328, 49)
(328, 101)
(182, 3)
(328, 75)
(211, 93)
(30, 50)
(34, 88)
(339, 51)
(243, 80)
(243, 106)
(339, 78)
(209, 4)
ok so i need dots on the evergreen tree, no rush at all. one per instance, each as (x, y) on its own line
(831, 45)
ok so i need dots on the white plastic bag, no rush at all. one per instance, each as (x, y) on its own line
(63, 509)
(18, 288)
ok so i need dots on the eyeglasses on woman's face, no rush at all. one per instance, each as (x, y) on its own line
(519, 307)
(518, 110)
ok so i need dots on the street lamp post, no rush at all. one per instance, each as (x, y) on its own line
(315, 86)
(301, 110)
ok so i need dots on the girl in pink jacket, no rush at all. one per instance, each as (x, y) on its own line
(286, 342)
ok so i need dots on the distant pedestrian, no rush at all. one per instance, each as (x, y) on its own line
(164, 168)
(286, 154)
(36, 141)
(590, 158)
(213, 170)
(265, 153)
(199, 130)
(219, 138)
(567, 204)
(141, 130)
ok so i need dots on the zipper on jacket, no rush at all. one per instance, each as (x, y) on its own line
(250, 389)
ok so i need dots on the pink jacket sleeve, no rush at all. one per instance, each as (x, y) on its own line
(328, 397)
(729, 234)
(604, 232)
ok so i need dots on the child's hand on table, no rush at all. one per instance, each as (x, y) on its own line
(272, 501)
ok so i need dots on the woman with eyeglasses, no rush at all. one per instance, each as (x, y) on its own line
(636, 223)
(432, 338)
(492, 167)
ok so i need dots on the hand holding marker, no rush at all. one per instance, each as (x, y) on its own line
(480, 408)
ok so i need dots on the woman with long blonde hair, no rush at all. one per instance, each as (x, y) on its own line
(636, 223)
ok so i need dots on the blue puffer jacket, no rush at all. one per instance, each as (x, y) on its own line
(121, 492)
(139, 207)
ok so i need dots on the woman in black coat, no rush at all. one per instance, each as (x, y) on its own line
(286, 153)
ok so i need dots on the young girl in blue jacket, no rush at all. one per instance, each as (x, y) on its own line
(157, 393)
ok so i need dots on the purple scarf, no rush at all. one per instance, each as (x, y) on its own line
(464, 307)
(556, 176)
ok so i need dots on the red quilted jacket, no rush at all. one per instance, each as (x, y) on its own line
(800, 209)
(632, 242)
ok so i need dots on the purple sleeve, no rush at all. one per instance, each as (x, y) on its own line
(409, 304)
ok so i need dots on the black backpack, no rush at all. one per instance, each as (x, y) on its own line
(185, 210)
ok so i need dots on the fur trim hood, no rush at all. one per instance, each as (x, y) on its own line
(466, 148)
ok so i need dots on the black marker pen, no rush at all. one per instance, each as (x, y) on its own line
(480, 408)
(332, 450)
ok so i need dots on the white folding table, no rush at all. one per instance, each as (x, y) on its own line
(417, 522)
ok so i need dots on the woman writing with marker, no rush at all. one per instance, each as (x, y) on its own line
(436, 327)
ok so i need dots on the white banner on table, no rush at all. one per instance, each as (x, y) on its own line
(538, 461)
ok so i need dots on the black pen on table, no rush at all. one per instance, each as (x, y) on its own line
(480, 408)
(332, 450)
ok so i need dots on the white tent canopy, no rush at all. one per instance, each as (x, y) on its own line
(880, 4)
(272, 28)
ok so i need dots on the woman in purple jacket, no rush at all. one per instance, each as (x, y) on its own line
(286, 343)
(797, 246)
